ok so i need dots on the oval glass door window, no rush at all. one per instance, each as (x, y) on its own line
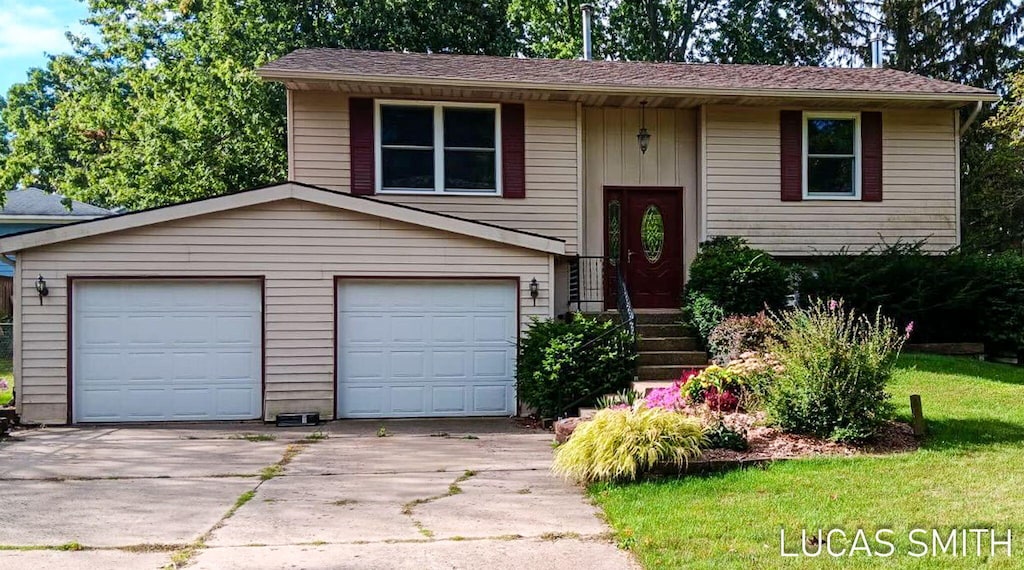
(652, 233)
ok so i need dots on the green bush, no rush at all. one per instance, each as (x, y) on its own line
(720, 436)
(835, 365)
(739, 334)
(553, 372)
(702, 314)
(621, 445)
(735, 277)
(958, 297)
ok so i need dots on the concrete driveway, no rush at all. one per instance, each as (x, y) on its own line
(431, 494)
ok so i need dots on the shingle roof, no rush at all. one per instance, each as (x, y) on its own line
(36, 202)
(566, 73)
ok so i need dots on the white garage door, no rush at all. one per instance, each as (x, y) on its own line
(166, 350)
(426, 348)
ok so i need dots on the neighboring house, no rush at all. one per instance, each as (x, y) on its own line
(33, 209)
(440, 202)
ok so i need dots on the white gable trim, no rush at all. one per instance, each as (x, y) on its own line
(274, 193)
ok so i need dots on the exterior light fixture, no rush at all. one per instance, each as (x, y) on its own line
(534, 290)
(643, 137)
(41, 288)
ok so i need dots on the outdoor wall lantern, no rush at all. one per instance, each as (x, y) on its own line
(41, 288)
(643, 137)
(534, 290)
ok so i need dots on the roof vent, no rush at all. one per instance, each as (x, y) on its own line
(587, 12)
(876, 50)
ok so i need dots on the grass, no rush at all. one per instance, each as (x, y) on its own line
(7, 375)
(967, 475)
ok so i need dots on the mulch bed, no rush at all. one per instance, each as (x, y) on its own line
(768, 443)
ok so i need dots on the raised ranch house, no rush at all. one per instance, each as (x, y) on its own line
(440, 202)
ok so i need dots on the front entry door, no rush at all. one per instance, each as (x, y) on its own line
(647, 242)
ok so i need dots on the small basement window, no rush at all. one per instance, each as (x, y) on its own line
(831, 156)
(440, 148)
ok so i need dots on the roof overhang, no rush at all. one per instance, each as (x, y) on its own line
(34, 219)
(37, 238)
(959, 99)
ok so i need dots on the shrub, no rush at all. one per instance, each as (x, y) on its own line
(757, 371)
(835, 367)
(738, 335)
(719, 388)
(959, 297)
(553, 372)
(702, 314)
(621, 445)
(720, 436)
(625, 398)
(737, 278)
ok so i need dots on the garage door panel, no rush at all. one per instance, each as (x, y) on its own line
(491, 398)
(492, 363)
(439, 348)
(172, 350)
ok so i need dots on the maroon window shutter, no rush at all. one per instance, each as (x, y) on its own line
(791, 134)
(513, 150)
(871, 156)
(360, 132)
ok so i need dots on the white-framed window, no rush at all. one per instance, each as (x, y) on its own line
(831, 156)
(437, 148)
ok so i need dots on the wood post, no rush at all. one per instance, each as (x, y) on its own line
(917, 422)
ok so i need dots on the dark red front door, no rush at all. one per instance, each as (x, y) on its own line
(648, 242)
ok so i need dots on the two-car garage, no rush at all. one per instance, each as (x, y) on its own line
(191, 349)
(277, 300)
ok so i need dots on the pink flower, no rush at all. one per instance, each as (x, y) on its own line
(833, 304)
(669, 398)
(3, 384)
(910, 329)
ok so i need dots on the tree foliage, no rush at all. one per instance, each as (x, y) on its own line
(165, 105)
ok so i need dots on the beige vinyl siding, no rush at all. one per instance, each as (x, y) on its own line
(319, 134)
(299, 248)
(919, 186)
(612, 157)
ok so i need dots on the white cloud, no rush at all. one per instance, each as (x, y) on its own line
(29, 29)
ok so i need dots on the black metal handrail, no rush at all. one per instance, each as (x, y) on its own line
(627, 321)
(586, 283)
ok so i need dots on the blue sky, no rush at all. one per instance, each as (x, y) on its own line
(30, 29)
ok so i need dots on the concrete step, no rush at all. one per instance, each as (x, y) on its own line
(662, 330)
(645, 386)
(664, 372)
(662, 357)
(668, 343)
(658, 317)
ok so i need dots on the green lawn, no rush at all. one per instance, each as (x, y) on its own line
(970, 474)
(7, 375)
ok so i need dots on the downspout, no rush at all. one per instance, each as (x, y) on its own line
(7, 260)
(970, 118)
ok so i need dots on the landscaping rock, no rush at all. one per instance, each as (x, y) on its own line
(564, 428)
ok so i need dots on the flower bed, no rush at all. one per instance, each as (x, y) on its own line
(815, 387)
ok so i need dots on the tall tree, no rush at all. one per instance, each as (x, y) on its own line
(980, 43)
(165, 105)
(739, 31)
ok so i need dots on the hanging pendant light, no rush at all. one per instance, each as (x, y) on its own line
(643, 137)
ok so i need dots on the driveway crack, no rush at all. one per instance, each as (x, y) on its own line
(453, 489)
(185, 556)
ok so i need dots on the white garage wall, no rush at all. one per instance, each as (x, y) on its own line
(299, 247)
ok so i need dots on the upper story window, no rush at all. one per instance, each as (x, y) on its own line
(832, 156)
(443, 148)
